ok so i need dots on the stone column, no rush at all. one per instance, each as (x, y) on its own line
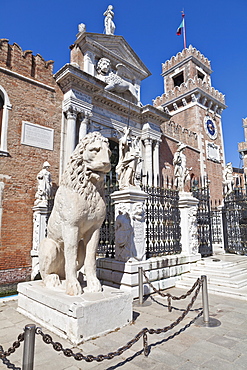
(156, 168)
(130, 224)
(40, 216)
(188, 209)
(148, 158)
(84, 125)
(70, 133)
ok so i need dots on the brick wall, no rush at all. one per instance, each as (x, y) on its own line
(37, 104)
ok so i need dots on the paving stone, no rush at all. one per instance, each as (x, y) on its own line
(219, 364)
(222, 341)
(222, 347)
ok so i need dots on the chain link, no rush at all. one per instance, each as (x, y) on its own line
(170, 296)
(12, 349)
(143, 333)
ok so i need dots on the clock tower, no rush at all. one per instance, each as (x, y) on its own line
(196, 106)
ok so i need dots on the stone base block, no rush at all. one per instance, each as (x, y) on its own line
(162, 272)
(77, 318)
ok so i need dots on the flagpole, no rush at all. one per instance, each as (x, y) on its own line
(184, 30)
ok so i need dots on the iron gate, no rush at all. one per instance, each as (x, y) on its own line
(235, 222)
(200, 190)
(163, 232)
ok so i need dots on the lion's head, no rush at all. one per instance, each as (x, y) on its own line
(103, 66)
(89, 161)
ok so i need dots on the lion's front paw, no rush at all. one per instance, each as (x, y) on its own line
(73, 287)
(52, 281)
(93, 285)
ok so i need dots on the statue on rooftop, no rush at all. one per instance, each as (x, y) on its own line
(109, 24)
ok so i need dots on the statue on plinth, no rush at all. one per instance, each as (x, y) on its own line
(109, 24)
(129, 157)
(78, 213)
(228, 179)
(44, 192)
(181, 172)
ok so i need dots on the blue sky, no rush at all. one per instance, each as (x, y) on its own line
(216, 27)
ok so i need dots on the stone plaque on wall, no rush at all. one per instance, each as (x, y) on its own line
(37, 135)
(213, 152)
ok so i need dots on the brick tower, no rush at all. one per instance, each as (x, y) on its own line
(196, 106)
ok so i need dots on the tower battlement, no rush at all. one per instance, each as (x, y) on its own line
(189, 87)
(184, 55)
(12, 57)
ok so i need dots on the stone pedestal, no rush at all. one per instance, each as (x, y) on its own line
(40, 217)
(163, 272)
(76, 318)
(188, 210)
(130, 224)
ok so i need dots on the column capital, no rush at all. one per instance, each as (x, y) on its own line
(148, 141)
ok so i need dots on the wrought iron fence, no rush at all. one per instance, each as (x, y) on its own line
(163, 232)
(216, 223)
(235, 220)
(106, 246)
(200, 190)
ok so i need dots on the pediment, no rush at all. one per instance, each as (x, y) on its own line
(115, 48)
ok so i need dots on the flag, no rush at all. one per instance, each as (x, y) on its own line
(180, 28)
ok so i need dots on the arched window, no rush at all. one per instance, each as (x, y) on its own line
(1, 113)
(5, 106)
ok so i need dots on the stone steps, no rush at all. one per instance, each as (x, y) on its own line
(226, 275)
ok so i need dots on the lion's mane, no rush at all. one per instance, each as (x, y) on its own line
(76, 175)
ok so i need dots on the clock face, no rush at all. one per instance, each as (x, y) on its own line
(210, 127)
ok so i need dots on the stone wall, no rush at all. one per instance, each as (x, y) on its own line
(35, 98)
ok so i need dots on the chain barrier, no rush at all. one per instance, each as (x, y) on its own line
(15, 345)
(170, 296)
(143, 333)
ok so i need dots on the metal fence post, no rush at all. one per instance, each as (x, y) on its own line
(205, 299)
(140, 282)
(28, 350)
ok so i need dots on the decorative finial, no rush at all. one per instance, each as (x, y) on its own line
(109, 24)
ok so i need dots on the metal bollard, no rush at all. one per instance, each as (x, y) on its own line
(140, 282)
(205, 299)
(28, 350)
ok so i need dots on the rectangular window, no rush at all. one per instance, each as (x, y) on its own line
(178, 79)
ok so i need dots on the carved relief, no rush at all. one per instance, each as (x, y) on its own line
(193, 235)
(118, 81)
(123, 235)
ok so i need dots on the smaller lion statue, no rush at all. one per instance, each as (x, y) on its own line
(78, 213)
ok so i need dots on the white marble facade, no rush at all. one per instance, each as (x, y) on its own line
(106, 98)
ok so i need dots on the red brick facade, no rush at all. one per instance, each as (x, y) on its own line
(35, 98)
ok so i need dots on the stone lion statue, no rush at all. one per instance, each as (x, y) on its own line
(78, 213)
